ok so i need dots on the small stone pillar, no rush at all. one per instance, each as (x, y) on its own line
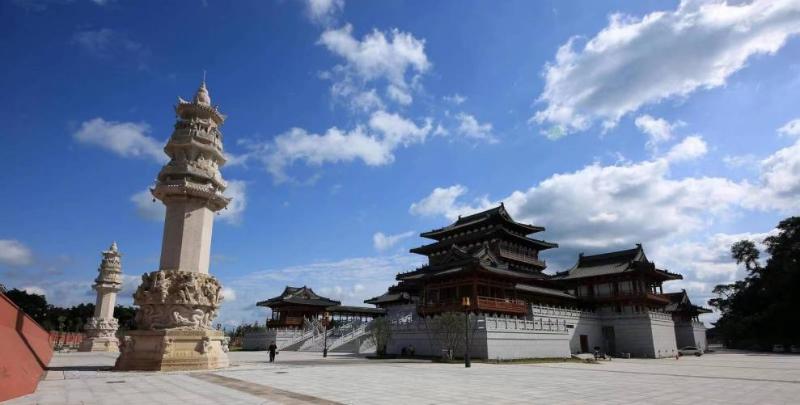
(101, 329)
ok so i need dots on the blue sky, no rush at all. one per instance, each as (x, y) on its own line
(353, 126)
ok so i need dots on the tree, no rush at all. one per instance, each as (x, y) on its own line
(34, 305)
(448, 329)
(380, 332)
(761, 310)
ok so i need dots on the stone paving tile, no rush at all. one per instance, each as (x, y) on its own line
(724, 378)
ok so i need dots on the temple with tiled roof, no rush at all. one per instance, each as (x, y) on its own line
(487, 265)
(486, 257)
(621, 281)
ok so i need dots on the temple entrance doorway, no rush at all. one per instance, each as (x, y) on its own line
(608, 337)
(584, 344)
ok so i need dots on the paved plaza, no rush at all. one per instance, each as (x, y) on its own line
(306, 378)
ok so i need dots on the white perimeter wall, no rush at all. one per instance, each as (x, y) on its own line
(691, 334)
(547, 332)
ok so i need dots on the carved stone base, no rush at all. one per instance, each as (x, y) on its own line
(99, 344)
(172, 349)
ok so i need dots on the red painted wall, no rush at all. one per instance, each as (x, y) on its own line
(24, 351)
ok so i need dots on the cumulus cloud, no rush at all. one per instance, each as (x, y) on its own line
(691, 147)
(780, 177)
(658, 130)
(323, 12)
(237, 191)
(383, 242)
(637, 61)
(399, 95)
(468, 126)
(154, 210)
(378, 56)
(444, 201)
(147, 208)
(791, 128)
(126, 139)
(605, 206)
(704, 263)
(14, 253)
(373, 144)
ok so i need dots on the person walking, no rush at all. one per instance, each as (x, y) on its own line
(273, 350)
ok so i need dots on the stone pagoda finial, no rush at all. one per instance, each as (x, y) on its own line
(202, 97)
(101, 329)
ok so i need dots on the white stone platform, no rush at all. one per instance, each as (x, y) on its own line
(301, 378)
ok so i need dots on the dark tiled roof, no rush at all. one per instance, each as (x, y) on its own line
(613, 263)
(461, 259)
(388, 297)
(543, 291)
(497, 213)
(493, 231)
(299, 296)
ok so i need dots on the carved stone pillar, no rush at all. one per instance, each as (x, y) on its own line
(178, 302)
(101, 329)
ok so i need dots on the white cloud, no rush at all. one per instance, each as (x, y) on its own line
(323, 12)
(658, 130)
(444, 201)
(236, 190)
(606, 206)
(15, 254)
(704, 263)
(469, 127)
(36, 290)
(791, 128)
(399, 95)
(383, 242)
(366, 101)
(126, 139)
(154, 210)
(147, 208)
(780, 178)
(691, 147)
(377, 56)
(228, 294)
(637, 61)
(374, 145)
(455, 98)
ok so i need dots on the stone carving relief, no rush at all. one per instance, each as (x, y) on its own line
(177, 299)
(98, 327)
(205, 345)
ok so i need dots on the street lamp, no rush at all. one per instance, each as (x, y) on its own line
(465, 304)
(325, 320)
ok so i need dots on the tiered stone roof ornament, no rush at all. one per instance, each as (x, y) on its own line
(179, 301)
(101, 329)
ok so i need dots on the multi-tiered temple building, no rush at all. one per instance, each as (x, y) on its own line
(488, 265)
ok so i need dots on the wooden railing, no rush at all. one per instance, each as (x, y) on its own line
(483, 304)
(501, 305)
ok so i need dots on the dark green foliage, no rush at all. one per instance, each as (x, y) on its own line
(763, 309)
